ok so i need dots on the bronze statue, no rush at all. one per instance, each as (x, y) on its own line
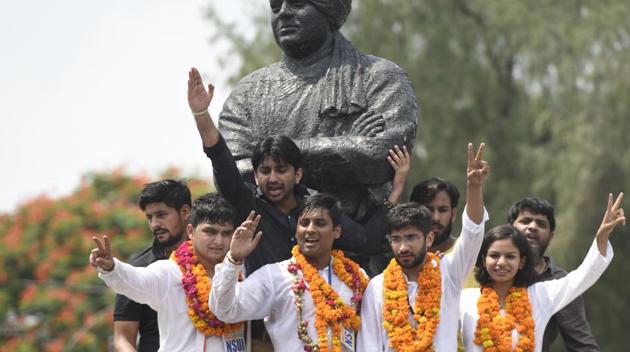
(344, 109)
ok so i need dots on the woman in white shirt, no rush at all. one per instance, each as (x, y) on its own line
(509, 313)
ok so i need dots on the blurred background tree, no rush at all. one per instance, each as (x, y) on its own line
(544, 83)
(50, 298)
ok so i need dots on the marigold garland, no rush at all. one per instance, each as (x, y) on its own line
(330, 310)
(494, 331)
(197, 288)
(426, 313)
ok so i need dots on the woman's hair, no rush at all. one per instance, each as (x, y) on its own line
(525, 276)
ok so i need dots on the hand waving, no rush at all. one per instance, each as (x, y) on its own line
(243, 240)
(101, 256)
(478, 169)
(198, 97)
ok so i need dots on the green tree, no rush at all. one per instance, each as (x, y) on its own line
(543, 83)
(50, 298)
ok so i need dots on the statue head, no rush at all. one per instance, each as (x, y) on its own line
(301, 27)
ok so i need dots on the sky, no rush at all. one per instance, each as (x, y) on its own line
(91, 85)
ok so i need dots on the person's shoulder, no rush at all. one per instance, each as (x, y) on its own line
(261, 74)
(142, 258)
(376, 64)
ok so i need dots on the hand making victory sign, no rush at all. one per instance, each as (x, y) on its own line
(613, 217)
(478, 169)
(101, 256)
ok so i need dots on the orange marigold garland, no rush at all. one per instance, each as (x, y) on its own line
(426, 313)
(197, 288)
(494, 331)
(330, 310)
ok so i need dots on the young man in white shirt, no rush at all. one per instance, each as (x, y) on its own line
(413, 304)
(178, 288)
(310, 301)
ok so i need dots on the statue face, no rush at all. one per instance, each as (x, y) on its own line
(298, 27)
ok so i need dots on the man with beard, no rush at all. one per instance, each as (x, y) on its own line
(413, 304)
(166, 204)
(534, 217)
(343, 109)
(441, 197)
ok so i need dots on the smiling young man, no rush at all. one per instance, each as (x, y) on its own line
(413, 305)
(294, 295)
(166, 204)
(440, 197)
(534, 217)
(178, 288)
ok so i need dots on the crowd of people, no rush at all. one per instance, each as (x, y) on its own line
(307, 244)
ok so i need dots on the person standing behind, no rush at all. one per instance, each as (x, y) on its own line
(166, 204)
(412, 306)
(441, 197)
(178, 288)
(534, 218)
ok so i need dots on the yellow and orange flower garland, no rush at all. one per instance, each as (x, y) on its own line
(197, 288)
(426, 313)
(330, 310)
(494, 331)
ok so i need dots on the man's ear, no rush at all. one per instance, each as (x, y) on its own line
(550, 236)
(189, 231)
(256, 177)
(184, 212)
(337, 231)
(453, 215)
(429, 239)
(299, 173)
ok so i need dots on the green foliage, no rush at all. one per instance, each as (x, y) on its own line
(543, 83)
(50, 298)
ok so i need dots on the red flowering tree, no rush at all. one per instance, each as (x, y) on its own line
(50, 298)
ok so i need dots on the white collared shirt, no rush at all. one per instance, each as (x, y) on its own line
(160, 286)
(546, 297)
(454, 269)
(267, 294)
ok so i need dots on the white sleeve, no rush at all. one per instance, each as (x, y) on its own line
(146, 285)
(461, 260)
(554, 295)
(232, 301)
(371, 333)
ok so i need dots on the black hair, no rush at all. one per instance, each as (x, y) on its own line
(535, 205)
(322, 201)
(212, 208)
(280, 148)
(173, 193)
(409, 214)
(425, 191)
(525, 276)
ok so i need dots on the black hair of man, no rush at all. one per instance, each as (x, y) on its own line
(322, 201)
(409, 214)
(525, 276)
(173, 193)
(212, 208)
(281, 148)
(536, 205)
(425, 191)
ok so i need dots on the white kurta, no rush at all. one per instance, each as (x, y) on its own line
(546, 298)
(454, 267)
(267, 293)
(159, 285)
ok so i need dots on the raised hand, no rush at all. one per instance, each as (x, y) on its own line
(198, 97)
(244, 241)
(478, 169)
(400, 161)
(101, 256)
(613, 217)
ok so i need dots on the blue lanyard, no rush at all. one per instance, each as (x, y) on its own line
(330, 272)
